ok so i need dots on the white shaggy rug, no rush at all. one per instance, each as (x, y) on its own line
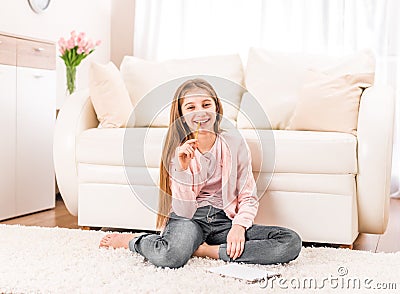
(56, 260)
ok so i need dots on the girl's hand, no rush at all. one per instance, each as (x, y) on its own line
(235, 241)
(186, 152)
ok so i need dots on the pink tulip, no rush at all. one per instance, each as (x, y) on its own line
(80, 50)
(73, 34)
(81, 37)
(89, 46)
(61, 42)
(62, 51)
(70, 44)
(82, 43)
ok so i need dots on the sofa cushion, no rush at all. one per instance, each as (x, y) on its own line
(334, 184)
(251, 114)
(158, 81)
(109, 96)
(136, 147)
(303, 151)
(295, 151)
(329, 103)
(276, 78)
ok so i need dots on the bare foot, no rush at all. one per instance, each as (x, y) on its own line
(206, 250)
(117, 240)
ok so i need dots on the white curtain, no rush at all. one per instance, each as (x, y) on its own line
(387, 45)
(189, 28)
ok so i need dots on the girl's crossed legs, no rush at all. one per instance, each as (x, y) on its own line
(173, 248)
(182, 237)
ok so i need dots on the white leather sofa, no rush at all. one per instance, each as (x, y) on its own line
(327, 186)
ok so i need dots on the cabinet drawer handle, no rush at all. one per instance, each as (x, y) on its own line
(39, 49)
(38, 76)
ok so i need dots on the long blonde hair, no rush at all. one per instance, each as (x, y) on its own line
(178, 133)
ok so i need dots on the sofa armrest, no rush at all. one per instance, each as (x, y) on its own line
(76, 115)
(375, 146)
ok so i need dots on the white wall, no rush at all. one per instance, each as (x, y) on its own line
(122, 25)
(90, 16)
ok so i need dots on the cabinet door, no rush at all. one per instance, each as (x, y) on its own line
(36, 96)
(7, 140)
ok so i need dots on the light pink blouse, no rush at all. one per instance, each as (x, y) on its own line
(211, 193)
(239, 198)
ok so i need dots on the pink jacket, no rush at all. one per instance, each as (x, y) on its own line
(239, 196)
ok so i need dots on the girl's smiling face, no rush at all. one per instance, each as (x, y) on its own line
(199, 107)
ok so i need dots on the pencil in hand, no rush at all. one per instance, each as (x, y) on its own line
(196, 133)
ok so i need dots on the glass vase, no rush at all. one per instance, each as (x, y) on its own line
(71, 79)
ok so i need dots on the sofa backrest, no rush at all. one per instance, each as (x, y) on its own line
(151, 85)
(273, 81)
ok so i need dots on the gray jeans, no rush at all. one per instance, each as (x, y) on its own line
(182, 236)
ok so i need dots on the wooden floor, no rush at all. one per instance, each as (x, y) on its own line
(388, 242)
(57, 217)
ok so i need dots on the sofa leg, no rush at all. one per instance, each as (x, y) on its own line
(86, 228)
(89, 228)
(346, 246)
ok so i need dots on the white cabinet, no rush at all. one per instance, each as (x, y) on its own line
(8, 128)
(27, 119)
(35, 123)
